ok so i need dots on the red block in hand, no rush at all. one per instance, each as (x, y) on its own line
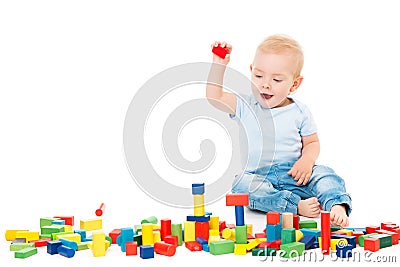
(220, 51)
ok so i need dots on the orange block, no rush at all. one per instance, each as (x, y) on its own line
(237, 199)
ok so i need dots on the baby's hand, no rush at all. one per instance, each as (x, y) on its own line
(217, 59)
(301, 171)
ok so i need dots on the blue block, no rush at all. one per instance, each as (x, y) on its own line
(198, 189)
(239, 215)
(58, 222)
(273, 232)
(52, 246)
(125, 236)
(66, 251)
(308, 241)
(88, 238)
(206, 247)
(351, 240)
(344, 251)
(82, 233)
(69, 243)
(315, 245)
(192, 218)
(146, 252)
(201, 240)
(306, 231)
(359, 229)
(209, 213)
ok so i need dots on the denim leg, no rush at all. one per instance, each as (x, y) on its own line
(262, 194)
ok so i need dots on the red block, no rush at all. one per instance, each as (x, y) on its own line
(260, 235)
(219, 51)
(69, 220)
(193, 246)
(249, 236)
(222, 225)
(114, 234)
(395, 236)
(371, 244)
(171, 239)
(231, 226)
(237, 199)
(41, 242)
(263, 245)
(131, 248)
(165, 228)
(202, 229)
(164, 249)
(372, 229)
(296, 219)
(273, 217)
(325, 232)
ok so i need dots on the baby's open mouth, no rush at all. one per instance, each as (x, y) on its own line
(266, 96)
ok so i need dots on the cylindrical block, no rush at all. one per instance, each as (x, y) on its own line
(147, 234)
(164, 249)
(176, 230)
(66, 251)
(198, 205)
(325, 232)
(239, 215)
(165, 228)
(229, 234)
(151, 219)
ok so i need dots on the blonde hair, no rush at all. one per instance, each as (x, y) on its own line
(280, 43)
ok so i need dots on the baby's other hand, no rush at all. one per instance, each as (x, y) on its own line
(217, 59)
(301, 171)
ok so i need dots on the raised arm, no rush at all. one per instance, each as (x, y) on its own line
(221, 100)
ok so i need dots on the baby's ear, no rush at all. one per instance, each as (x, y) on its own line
(296, 84)
(251, 67)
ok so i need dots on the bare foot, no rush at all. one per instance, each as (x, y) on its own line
(339, 216)
(308, 207)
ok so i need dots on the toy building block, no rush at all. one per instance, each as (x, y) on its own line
(165, 228)
(372, 229)
(288, 235)
(99, 244)
(273, 232)
(344, 232)
(308, 241)
(52, 246)
(220, 51)
(395, 236)
(68, 243)
(82, 233)
(99, 212)
(222, 225)
(310, 224)
(313, 232)
(156, 236)
(46, 221)
(257, 252)
(198, 205)
(296, 219)
(240, 249)
(371, 244)
(351, 240)
(213, 233)
(206, 247)
(190, 231)
(164, 249)
(241, 234)
(114, 234)
(20, 246)
(201, 240)
(292, 250)
(363, 237)
(252, 244)
(344, 251)
(28, 235)
(237, 199)
(25, 253)
(214, 223)
(287, 220)
(230, 225)
(20, 240)
(58, 222)
(151, 219)
(239, 215)
(384, 240)
(126, 235)
(55, 235)
(176, 230)
(212, 238)
(171, 239)
(90, 225)
(69, 220)
(40, 242)
(131, 248)
(260, 235)
(202, 230)
(192, 218)
(193, 246)
(146, 252)
(325, 232)
(83, 246)
(198, 189)
(222, 247)
(50, 229)
(341, 242)
(72, 237)
(229, 234)
(299, 235)
(147, 234)
(335, 228)
(357, 234)
(273, 218)
(10, 235)
(65, 251)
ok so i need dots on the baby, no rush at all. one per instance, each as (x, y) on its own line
(286, 176)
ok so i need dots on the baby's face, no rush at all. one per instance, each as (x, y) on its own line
(273, 77)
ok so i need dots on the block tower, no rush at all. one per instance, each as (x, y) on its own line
(239, 200)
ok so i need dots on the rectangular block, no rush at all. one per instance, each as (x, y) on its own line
(287, 220)
(273, 217)
(222, 247)
(241, 234)
(20, 246)
(72, 237)
(50, 229)
(69, 220)
(189, 231)
(28, 235)
(237, 199)
(25, 253)
(11, 234)
(288, 235)
(273, 232)
(371, 244)
(292, 250)
(198, 189)
(90, 225)
(307, 224)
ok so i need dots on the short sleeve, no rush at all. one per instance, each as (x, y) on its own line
(308, 125)
(240, 107)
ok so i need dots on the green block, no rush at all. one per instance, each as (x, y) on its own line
(222, 247)
(288, 235)
(20, 246)
(109, 239)
(54, 235)
(308, 224)
(259, 252)
(176, 229)
(292, 250)
(83, 246)
(241, 234)
(51, 229)
(384, 240)
(151, 219)
(25, 253)
(335, 228)
(138, 239)
(138, 228)
(361, 238)
(42, 236)
(46, 221)
(271, 251)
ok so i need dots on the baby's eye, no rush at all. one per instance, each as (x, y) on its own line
(277, 80)
(258, 76)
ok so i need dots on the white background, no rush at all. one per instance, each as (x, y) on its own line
(69, 69)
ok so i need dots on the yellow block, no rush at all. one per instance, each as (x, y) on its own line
(340, 241)
(90, 225)
(28, 235)
(345, 232)
(213, 239)
(240, 249)
(11, 234)
(250, 229)
(72, 237)
(229, 234)
(99, 244)
(299, 235)
(147, 234)
(189, 231)
(198, 205)
(213, 232)
(214, 223)
(262, 239)
(156, 236)
(252, 244)
(68, 228)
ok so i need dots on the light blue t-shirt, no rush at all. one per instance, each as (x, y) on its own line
(271, 136)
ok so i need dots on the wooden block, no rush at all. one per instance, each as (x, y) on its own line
(287, 220)
(25, 253)
(90, 225)
(10, 235)
(273, 218)
(222, 247)
(237, 199)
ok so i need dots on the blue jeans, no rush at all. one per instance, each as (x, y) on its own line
(272, 189)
